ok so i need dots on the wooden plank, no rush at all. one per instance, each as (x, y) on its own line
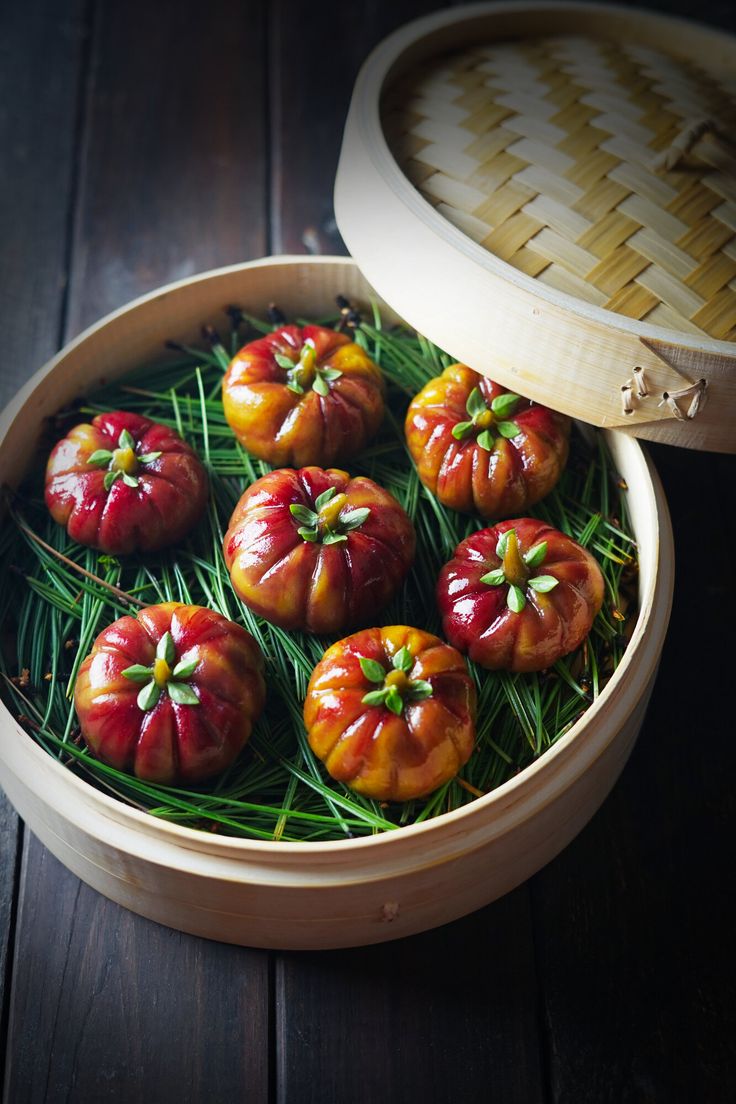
(634, 921)
(111, 1007)
(174, 176)
(10, 845)
(449, 1015)
(105, 1005)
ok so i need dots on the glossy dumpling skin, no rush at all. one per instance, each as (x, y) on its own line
(158, 493)
(220, 691)
(303, 396)
(477, 617)
(362, 545)
(508, 475)
(384, 754)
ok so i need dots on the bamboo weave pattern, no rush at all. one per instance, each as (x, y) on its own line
(549, 153)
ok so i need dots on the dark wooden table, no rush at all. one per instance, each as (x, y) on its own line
(144, 141)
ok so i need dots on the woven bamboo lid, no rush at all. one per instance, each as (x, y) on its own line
(549, 192)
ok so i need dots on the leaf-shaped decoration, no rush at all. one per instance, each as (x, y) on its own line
(126, 440)
(184, 669)
(508, 429)
(503, 405)
(476, 404)
(138, 673)
(394, 701)
(535, 556)
(110, 478)
(182, 693)
(165, 648)
(303, 514)
(351, 519)
(101, 457)
(320, 386)
(148, 696)
(283, 361)
(543, 583)
(373, 671)
(420, 689)
(485, 440)
(334, 538)
(461, 430)
(402, 660)
(494, 578)
(516, 599)
(375, 697)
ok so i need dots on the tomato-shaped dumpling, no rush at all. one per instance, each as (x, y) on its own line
(170, 695)
(125, 484)
(303, 396)
(519, 595)
(481, 449)
(391, 712)
(317, 550)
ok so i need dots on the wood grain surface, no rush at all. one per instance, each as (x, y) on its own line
(141, 142)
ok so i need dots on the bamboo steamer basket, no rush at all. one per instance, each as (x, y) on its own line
(344, 893)
(548, 191)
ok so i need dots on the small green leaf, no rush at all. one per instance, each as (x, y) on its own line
(129, 480)
(360, 339)
(165, 648)
(138, 673)
(503, 540)
(494, 578)
(303, 514)
(461, 429)
(101, 456)
(184, 669)
(126, 440)
(403, 660)
(310, 535)
(283, 361)
(182, 693)
(324, 498)
(148, 457)
(394, 701)
(515, 599)
(503, 405)
(373, 671)
(420, 689)
(295, 387)
(374, 697)
(485, 440)
(508, 429)
(333, 538)
(320, 386)
(535, 556)
(476, 404)
(110, 478)
(543, 583)
(351, 519)
(148, 697)
(330, 374)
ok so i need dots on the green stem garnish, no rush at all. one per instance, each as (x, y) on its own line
(327, 522)
(122, 462)
(396, 687)
(490, 422)
(165, 674)
(515, 570)
(306, 371)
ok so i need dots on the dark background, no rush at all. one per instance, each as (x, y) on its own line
(141, 142)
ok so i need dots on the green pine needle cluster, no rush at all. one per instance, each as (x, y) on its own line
(52, 609)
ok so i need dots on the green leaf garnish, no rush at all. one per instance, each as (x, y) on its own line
(320, 386)
(110, 478)
(503, 405)
(330, 374)
(100, 456)
(494, 578)
(351, 519)
(129, 480)
(283, 361)
(138, 673)
(184, 669)
(310, 535)
(126, 440)
(181, 693)
(394, 701)
(402, 660)
(508, 429)
(334, 538)
(543, 583)
(165, 648)
(303, 514)
(148, 696)
(373, 671)
(420, 689)
(324, 498)
(461, 429)
(476, 404)
(374, 697)
(148, 457)
(295, 387)
(535, 556)
(503, 540)
(515, 599)
(485, 440)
